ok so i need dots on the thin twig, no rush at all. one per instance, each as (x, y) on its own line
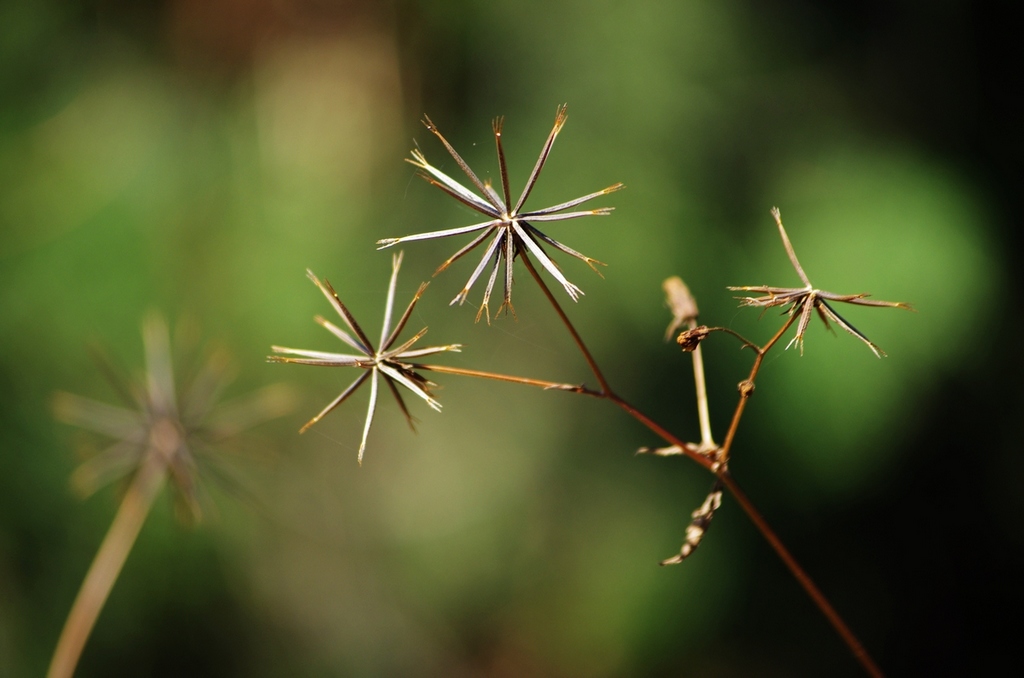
(719, 470)
(722, 474)
(565, 321)
(687, 448)
(747, 387)
(540, 383)
(801, 576)
(719, 467)
(746, 342)
(685, 312)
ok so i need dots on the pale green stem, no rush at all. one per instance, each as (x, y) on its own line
(707, 442)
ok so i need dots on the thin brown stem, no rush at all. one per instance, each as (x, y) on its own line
(801, 576)
(746, 342)
(720, 471)
(606, 390)
(812, 590)
(568, 325)
(719, 466)
(688, 448)
(747, 387)
(106, 566)
(540, 383)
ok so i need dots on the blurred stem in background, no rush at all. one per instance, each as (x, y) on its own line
(163, 438)
(114, 550)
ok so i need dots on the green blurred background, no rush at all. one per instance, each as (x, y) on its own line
(195, 156)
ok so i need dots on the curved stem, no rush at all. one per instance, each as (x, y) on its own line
(722, 473)
(606, 390)
(719, 465)
(728, 330)
(107, 565)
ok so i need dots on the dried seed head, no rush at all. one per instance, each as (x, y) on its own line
(390, 363)
(807, 300)
(509, 230)
(681, 302)
(690, 339)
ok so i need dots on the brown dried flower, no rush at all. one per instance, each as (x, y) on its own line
(690, 339)
(805, 300)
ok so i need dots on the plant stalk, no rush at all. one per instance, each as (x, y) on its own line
(805, 581)
(720, 468)
(747, 388)
(107, 564)
(602, 382)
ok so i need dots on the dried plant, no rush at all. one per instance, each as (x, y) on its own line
(159, 437)
(804, 300)
(511, 235)
(387, 362)
(509, 227)
(699, 524)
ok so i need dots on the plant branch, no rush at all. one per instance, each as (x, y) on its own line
(718, 465)
(687, 448)
(746, 342)
(721, 472)
(540, 383)
(746, 388)
(719, 469)
(707, 441)
(568, 325)
(606, 391)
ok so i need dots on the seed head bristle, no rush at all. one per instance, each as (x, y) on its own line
(561, 115)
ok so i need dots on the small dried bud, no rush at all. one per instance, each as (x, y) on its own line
(690, 339)
(745, 387)
(698, 527)
(681, 302)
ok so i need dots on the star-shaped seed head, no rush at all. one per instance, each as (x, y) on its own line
(509, 229)
(387, 361)
(806, 300)
(179, 432)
